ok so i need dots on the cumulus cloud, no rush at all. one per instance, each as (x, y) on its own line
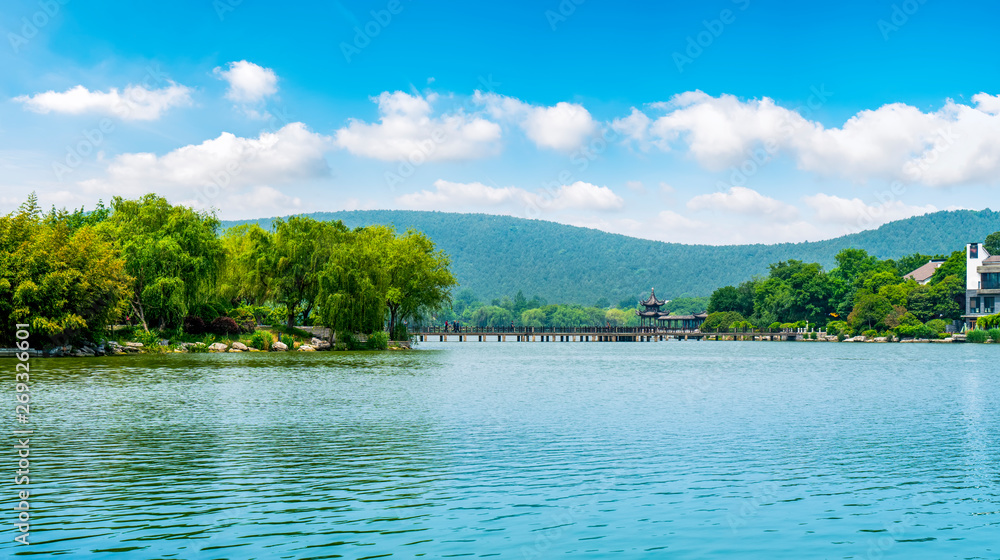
(134, 103)
(248, 82)
(408, 130)
(563, 126)
(576, 196)
(231, 162)
(741, 200)
(957, 144)
(853, 211)
(634, 127)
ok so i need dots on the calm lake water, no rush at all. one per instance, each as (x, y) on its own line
(541, 450)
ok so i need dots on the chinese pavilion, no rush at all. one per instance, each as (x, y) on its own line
(652, 309)
(651, 315)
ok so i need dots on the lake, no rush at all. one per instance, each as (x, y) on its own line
(520, 450)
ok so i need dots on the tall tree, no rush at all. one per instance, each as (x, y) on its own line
(58, 276)
(299, 250)
(992, 243)
(419, 278)
(173, 254)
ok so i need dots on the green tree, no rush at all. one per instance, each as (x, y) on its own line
(954, 266)
(172, 253)
(534, 318)
(721, 321)
(419, 277)
(870, 312)
(297, 253)
(58, 276)
(992, 243)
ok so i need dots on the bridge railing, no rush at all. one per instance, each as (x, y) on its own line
(464, 329)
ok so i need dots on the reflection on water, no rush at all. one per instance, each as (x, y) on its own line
(679, 450)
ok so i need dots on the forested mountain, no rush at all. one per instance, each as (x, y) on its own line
(499, 255)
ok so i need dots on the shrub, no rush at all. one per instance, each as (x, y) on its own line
(400, 332)
(774, 327)
(870, 333)
(261, 340)
(841, 337)
(994, 334)
(937, 325)
(245, 319)
(378, 340)
(916, 331)
(988, 322)
(223, 326)
(977, 335)
(721, 321)
(149, 339)
(198, 348)
(287, 340)
(194, 325)
(349, 341)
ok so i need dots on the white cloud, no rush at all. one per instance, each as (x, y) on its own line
(134, 103)
(577, 196)
(224, 165)
(741, 200)
(854, 212)
(563, 126)
(248, 82)
(634, 127)
(407, 130)
(987, 103)
(957, 144)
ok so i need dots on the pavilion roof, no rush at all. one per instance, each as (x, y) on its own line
(651, 301)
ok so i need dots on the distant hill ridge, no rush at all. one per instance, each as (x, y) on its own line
(499, 255)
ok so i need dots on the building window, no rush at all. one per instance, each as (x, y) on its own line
(973, 305)
(991, 281)
(974, 251)
(987, 305)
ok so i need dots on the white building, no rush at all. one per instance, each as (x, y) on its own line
(982, 283)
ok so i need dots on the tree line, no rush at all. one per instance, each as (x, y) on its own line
(71, 275)
(862, 294)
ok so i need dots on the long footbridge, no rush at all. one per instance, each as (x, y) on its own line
(585, 334)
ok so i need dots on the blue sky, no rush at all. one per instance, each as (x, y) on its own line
(712, 122)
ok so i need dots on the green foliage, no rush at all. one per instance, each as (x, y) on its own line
(731, 298)
(261, 340)
(172, 252)
(400, 333)
(62, 278)
(954, 266)
(870, 312)
(992, 243)
(870, 333)
(916, 331)
(978, 336)
(721, 321)
(988, 322)
(994, 334)
(378, 340)
(836, 328)
(937, 325)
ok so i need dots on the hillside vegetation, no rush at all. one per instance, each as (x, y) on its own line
(498, 256)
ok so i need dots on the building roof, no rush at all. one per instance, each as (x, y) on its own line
(925, 272)
(652, 301)
(992, 259)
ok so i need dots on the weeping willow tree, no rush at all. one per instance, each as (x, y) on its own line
(172, 253)
(377, 278)
(355, 281)
(243, 279)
